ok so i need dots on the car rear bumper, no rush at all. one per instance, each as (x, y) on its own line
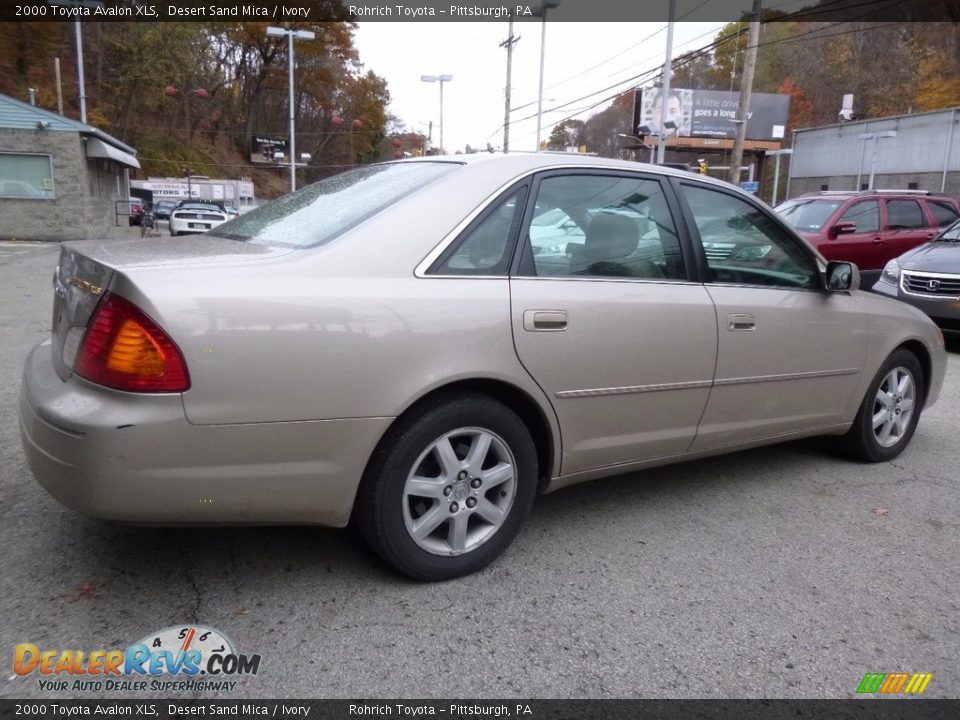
(135, 458)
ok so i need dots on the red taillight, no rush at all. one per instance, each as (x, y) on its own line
(125, 350)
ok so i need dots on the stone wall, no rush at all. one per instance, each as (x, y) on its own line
(85, 190)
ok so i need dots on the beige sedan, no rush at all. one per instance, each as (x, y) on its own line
(396, 346)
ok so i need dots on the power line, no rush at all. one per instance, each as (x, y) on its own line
(696, 54)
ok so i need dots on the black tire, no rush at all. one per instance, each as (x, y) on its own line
(862, 441)
(385, 507)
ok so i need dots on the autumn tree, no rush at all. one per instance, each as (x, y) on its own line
(569, 133)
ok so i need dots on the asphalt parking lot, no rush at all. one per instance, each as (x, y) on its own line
(780, 572)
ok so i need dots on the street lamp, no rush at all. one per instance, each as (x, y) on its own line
(873, 160)
(81, 85)
(441, 79)
(299, 35)
(550, 4)
(188, 172)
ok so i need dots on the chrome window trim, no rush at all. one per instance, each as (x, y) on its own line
(748, 286)
(606, 278)
(567, 278)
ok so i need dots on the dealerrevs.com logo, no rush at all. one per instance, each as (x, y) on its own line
(196, 657)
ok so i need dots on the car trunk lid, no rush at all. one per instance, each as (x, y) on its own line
(87, 270)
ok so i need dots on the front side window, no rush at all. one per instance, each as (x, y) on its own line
(904, 215)
(26, 176)
(866, 214)
(604, 226)
(324, 210)
(744, 245)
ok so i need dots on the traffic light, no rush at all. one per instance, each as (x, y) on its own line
(704, 167)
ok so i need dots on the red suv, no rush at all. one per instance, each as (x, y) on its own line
(869, 227)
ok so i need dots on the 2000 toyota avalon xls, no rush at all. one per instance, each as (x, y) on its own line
(386, 346)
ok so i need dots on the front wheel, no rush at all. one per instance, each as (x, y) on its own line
(449, 488)
(890, 411)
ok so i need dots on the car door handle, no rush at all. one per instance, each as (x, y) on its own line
(741, 323)
(544, 320)
(878, 241)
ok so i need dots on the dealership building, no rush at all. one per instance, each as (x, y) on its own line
(917, 152)
(59, 179)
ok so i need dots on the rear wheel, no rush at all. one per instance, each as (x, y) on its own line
(890, 411)
(449, 488)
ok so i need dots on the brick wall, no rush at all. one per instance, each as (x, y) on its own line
(85, 190)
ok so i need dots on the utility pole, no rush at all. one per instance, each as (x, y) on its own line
(83, 92)
(56, 71)
(508, 44)
(665, 91)
(746, 87)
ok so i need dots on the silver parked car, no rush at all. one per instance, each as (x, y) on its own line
(928, 277)
(386, 347)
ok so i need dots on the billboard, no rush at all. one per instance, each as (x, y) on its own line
(266, 149)
(708, 113)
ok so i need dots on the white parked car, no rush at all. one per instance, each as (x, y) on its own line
(196, 217)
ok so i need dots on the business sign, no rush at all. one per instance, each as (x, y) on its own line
(710, 113)
(750, 187)
(266, 149)
(167, 189)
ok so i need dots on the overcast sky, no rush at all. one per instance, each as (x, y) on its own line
(581, 58)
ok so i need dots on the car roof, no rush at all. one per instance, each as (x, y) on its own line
(521, 163)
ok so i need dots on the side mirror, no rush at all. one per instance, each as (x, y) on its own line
(842, 276)
(842, 228)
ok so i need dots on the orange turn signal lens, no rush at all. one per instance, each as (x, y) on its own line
(124, 349)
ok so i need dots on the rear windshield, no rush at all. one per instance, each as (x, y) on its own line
(808, 215)
(320, 212)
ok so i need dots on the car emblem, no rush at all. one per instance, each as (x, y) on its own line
(87, 286)
(933, 284)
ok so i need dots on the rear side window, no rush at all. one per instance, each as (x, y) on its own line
(596, 225)
(320, 212)
(486, 248)
(904, 215)
(944, 212)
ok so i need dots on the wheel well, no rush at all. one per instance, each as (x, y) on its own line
(519, 402)
(920, 351)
